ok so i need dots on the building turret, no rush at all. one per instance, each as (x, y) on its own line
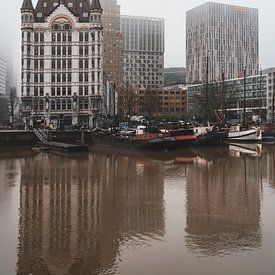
(27, 14)
(96, 14)
(96, 29)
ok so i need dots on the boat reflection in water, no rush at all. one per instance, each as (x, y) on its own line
(223, 206)
(74, 214)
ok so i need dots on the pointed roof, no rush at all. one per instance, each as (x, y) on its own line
(96, 5)
(77, 7)
(27, 5)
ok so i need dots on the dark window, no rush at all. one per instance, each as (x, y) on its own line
(58, 78)
(64, 77)
(41, 91)
(69, 91)
(86, 36)
(86, 63)
(53, 104)
(69, 104)
(53, 51)
(86, 90)
(35, 91)
(69, 77)
(81, 36)
(36, 37)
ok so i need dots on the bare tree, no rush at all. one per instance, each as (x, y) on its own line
(13, 103)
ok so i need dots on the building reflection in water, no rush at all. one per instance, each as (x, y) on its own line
(74, 214)
(223, 206)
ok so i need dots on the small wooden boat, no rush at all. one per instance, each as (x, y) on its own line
(237, 133)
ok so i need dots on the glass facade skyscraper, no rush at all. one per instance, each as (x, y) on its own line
(227, 36)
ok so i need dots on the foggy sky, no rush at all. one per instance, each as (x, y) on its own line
(172, 10)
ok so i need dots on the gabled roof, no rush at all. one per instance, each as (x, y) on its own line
(76, 7)
(96, 5)
(27, 5)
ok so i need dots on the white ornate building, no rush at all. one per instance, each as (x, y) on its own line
(62, 71)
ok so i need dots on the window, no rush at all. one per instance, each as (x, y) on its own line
(36, 37)
(53, 91)
(41, 105)
(69, 104)
(64, 78)
(81, 36)
(41, 91)
(69, 91)
(64, 91)
(35, 91)
(52, 104)
(64, 104)
(86, 90)
(35, 78)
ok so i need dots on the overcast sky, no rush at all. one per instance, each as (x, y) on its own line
(172, 10)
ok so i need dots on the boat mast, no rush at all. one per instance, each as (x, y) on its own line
(206, 91)
(244, 96)
(260, 100)
(223, 98)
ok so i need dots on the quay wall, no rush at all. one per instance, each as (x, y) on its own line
(20, 138)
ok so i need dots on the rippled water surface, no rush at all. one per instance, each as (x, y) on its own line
(200, 211)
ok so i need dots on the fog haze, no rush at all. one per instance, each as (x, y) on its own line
(172, 10)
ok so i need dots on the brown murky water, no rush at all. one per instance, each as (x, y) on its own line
(203, 211)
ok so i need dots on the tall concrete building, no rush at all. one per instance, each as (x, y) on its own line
(143, 52)
(62, 62)
(226, 36)
(113, 45)
(3, 77)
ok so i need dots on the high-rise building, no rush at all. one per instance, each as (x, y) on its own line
(113, 45)
(143, 52)
(62, 62)
(225, 37)
(3, 77)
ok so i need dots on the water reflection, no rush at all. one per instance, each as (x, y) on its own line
(74, 213)
(223, 205)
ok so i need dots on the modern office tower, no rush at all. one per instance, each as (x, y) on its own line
(3, 77)
(113, 45)
(225, 37)
(143, 52)
(62, 62)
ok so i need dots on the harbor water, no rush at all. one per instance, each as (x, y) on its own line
(112, 211)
